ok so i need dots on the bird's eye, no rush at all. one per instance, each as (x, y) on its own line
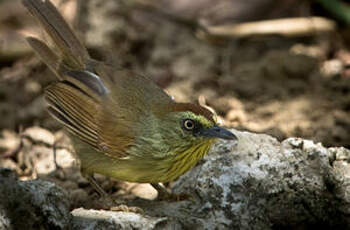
(188, 124)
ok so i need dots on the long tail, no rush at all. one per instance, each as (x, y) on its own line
(73, 53)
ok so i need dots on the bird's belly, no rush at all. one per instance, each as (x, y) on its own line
(129, 169)
(132, 169)
(125, 170)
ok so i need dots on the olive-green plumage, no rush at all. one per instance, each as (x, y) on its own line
(123, 125)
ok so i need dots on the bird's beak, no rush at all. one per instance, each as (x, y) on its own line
(218, 132)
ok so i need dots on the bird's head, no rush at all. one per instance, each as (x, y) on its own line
(192, 127)
(185, 134)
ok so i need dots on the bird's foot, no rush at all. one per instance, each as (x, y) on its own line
(124, 208)
(108, 203)
(165, 195)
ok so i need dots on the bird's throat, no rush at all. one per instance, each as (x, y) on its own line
(187, 159)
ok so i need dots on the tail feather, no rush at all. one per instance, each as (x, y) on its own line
(46, 54)
(73, 63)
(74, 53)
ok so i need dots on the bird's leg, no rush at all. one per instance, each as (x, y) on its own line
(107, 201)
(113, 205)
(163, 194)
(96, 186)
(58, 167)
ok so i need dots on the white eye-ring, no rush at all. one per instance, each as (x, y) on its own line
(188, 124)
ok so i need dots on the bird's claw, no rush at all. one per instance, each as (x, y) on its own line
(124, 208)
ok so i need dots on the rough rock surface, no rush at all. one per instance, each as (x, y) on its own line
(263, 183)
(34, 204)
(93, 219)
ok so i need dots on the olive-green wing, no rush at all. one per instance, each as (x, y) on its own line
(107, 114)
(130, 101)
(91, 120)
(74, 109)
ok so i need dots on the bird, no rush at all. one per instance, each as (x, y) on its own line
(122, 124)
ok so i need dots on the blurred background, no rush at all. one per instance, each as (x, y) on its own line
(280, 67)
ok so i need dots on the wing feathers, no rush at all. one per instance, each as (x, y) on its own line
(99, 126)
(74, 109)
(89, 79)
(62, 117)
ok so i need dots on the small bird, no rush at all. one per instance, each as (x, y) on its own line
(123, 125)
